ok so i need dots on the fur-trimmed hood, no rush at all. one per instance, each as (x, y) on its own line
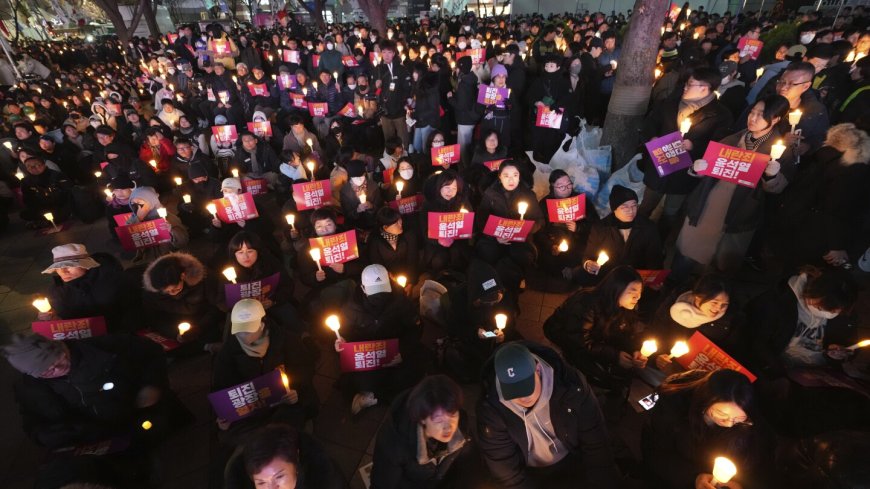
(851, 141)
(194, 270)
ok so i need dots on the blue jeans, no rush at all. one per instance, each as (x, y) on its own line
(421, 134)
(465, 136)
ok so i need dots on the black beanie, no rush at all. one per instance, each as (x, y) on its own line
(464, 64)
(196, 170)
(620, 195)
(355, 168)
(121, 181)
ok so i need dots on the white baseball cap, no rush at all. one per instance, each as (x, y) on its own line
(376, 279)
(247, 316)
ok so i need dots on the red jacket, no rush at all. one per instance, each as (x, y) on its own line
(162, 155)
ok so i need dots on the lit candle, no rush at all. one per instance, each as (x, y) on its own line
(359, 109)
(177, 181)
(212, 209)
(235, 80)
(851, 57)
(42, 305)
(171, 88)
(291, 219)
(19, 175)
(235, 172)
(8, 145)
(402, 281)
(400, 185)
(860, 344)
(777, 150)
(230, 274)
(161, 212)
(563, 246)
(186, 198)
(334, 324)
(153, 163)
(602, 258)
(315, 255)
(108, 193)
(679, 349)
(98, 174)
(310, 144)
(613, 64)
(522, 207)
(759, 72)
(146, 425)
(723, 471)
(362, 198)
(648, 348)
(310, 166)
(305, 91)
(685, 125)
(794, 118)
(183, 328)
(314, 84)
(285, 380)
(463, 210)
(500, 321)
(50, 218)
(658, 73)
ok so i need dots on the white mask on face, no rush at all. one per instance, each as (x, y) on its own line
(461, 44)
(352, 87)
(358, 181)
(807, 37)
(819, 313)
(406, 174)
(330, 46)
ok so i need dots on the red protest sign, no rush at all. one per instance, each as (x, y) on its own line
(548, 118)
(388, 175)
(450, 225)
(508, 229)
(674, 12)
(318, 109)
(315, 60)
(653, 279)
(349, 61)
(705, 355)
(493, 164)
(478, 56)
(734, 165)
(144, 234)
(298, 101)
(569, 209)
(291, 56)
(255, 186)
(220, 47)
(171, 37)
(347, 110)
(261, 128)
(445, 155)
(407, 205)
(360, 356)
(258, 89)
(336, 248)
(225, 134)
(236, 208)
(70, 329)
(312, 195)
(750, 47)
(121, 219)
(164, 342)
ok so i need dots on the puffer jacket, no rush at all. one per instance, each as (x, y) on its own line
(190, 305)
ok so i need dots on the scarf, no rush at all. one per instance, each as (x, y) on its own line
(392, 239)
(751, 143)
(689, 107)
(258, 348)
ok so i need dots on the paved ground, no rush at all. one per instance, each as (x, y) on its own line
(185, 456)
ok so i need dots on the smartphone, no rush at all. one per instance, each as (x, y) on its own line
(489, 334)
(649, 401)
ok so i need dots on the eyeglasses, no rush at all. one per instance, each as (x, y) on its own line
(723, 418)
(563, 187)
(692, 85)
(783, 83)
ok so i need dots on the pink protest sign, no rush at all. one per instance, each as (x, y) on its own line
(445, 155)
(653, 279)
(224, 96)
(241, 207)
(750, 47)
(312, 195)
(258, 89)
(144, 234)
(487, 95)
(388, 175)
(239, 401)
(734, 165)
(674, 12)
(569, 209)
(164, 342)
(407, 205)
(349, 61)
(318, 109)
(298, 101)
(548, 118)
(336, 248)
(291, 56)
(450, 225)
(121, 219)
(667, 153)
(508, 229)
(225, 134)
(262, 290)
(261, 128)
(70, 329)
(478, 56)
(493, 164)
(255, 186)
(286, 81)
(171, 37)
(360, 356)
(705, 355)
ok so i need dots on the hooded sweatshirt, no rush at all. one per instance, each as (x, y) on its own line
(544, 447)
(806, 346)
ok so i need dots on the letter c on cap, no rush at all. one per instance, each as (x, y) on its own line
(511, 373)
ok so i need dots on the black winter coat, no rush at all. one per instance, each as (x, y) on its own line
(267, 160)
(576, 419)
(403, 260)
(499, 202)
(642, 250)
(428, 101)
(464, 100)
(393, 101)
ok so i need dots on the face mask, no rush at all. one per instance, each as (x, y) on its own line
(351, 87)
(335, 130)
(461, 44)
(808, 37)
(406, 174)
(575, 69)
(171, 71)
(358, 181)
(815, 311)
(416, 76)
(330, 46)
(467, 28)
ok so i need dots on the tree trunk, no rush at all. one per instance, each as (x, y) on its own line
(316, 13)
(110, 7)
(634, 80)
(151, 19)
(376, 11)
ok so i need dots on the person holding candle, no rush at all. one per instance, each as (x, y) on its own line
(794, 85)
(174, 290)
(329, 92)
(261, 225)
(256, 159)
(624, 236)
(117, 201)
(702, 415)
(158, 148)
(722, 217)
(202, 189)
(146, 205)
(710, 121)
(540, 424)
(120, 160)
(44, 190)
(296, 139)
(89, 285)
(598, 329)
(412, 182)
(192, 151)
(444, 192)
(360, 198)
(503, 199)
(259, 344)
(497, 116)
(705, 308)
(380, 310)
(393, 151)
(550, 237)
(392, 247)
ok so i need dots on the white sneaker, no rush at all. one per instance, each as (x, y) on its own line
(361, 401)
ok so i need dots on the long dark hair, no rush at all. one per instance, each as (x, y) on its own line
(613, 285)
(709, 286)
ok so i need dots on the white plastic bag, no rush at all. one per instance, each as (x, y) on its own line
(541, 177)
(565, 158)
(599, 158)
(628, 176)
(590, 137)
